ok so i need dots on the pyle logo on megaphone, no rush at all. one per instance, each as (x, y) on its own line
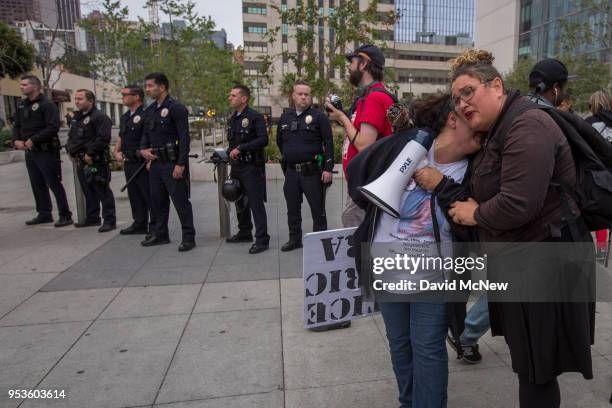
(386, 191)
(406, 165)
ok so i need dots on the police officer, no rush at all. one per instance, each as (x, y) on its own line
(35, 131)
(304, 138)
(165, 142)
(88, 144)
(127, 150)
(247, 139)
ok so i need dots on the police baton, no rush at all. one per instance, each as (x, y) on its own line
(139, 169)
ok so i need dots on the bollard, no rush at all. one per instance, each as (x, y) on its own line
(79, 195)
(220, 159)
(224, 210)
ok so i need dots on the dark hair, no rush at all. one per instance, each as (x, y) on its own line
(431, 111)
(32, 79)
(159, 78)
(244, 90)
(476, 64)
(376, 71)
(88, 94)
(135, 89)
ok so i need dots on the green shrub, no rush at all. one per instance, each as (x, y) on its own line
(6, 137)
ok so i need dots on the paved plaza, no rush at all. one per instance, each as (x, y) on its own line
(117, 325)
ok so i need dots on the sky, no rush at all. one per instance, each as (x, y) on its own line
(227, 14)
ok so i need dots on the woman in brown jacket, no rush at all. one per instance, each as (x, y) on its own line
(514, 201)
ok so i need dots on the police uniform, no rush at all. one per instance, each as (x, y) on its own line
(38, 120)
(166, 130)
(301, 138)
(130, 131)
(90, 133)
(247, 132)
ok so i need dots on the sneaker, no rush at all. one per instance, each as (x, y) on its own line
(467, 353)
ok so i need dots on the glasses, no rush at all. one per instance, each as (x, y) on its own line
(466, 94)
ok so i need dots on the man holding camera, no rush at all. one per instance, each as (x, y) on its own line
(367, 120)
(304, 138)
(88, 143)
(35, 131)
(247, 139)
(127, 150)
(165, 142)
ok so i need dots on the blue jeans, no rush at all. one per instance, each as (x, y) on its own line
(416, 334)
(476, 322)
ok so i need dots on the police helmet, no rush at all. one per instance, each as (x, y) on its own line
(219, 155)
(231, 190)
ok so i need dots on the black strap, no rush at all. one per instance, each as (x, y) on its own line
(434, 218)
(569, 215)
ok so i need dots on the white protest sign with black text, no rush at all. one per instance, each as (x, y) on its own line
(331, 282)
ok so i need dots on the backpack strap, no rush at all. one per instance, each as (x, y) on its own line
(434, 218)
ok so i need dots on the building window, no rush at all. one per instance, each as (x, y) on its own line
(284, 29)
(251, 46)
(255, 28)
(254, 8)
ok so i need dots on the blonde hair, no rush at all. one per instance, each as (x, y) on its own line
(475, 63)
(599, 101)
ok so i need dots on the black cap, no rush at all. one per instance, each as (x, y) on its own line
(369, 52)
(548, 71)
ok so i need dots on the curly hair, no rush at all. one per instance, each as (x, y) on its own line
(475, 63)
(431, 112)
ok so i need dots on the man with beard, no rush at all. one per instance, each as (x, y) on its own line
(367, 120)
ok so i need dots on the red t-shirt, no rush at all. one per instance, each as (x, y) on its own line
(371, 110)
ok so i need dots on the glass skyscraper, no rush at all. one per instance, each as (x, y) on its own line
(447, 22)
(541, 31)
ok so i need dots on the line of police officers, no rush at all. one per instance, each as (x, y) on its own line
(154, 146)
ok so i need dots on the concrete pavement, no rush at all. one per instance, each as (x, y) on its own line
(118, 325)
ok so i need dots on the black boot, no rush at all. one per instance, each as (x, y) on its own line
(39, 220)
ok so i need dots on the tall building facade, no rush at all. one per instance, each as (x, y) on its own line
(62, 14)
(534, 28)
(420, 62)
(447, 22)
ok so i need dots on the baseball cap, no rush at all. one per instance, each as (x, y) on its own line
(369, 52)
(549, 71)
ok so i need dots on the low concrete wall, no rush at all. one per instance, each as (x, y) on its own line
(12, 156)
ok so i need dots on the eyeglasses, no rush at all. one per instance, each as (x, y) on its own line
(466, 94)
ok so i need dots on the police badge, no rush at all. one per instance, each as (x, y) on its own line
(136, 119)
(86, 120)
(35, 106)
(164, 112)
(245, 122)
(308, 120)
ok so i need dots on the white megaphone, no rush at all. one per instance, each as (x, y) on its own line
(386, 191)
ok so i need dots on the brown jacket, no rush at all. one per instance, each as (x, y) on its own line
(512, 182)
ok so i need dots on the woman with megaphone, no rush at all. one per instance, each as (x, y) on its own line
(398, 212)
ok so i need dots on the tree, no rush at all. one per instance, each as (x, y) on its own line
(200, 74)
(348, 24)
(16, 57)
(590, 28)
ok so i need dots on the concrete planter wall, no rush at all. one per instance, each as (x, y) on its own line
(12, 156)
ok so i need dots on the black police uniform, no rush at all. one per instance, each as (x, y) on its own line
(38, 120)
(90, 133)
(130, 131)
(167, 132)
(301, 138)
(247, 132)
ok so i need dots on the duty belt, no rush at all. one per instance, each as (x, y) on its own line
(166, 153)
(133, 156)
(304, 167)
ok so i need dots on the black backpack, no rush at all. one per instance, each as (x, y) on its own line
(592, 155)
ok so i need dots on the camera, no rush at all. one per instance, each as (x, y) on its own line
(335, 101)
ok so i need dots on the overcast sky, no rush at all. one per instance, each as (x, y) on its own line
(227, 14)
